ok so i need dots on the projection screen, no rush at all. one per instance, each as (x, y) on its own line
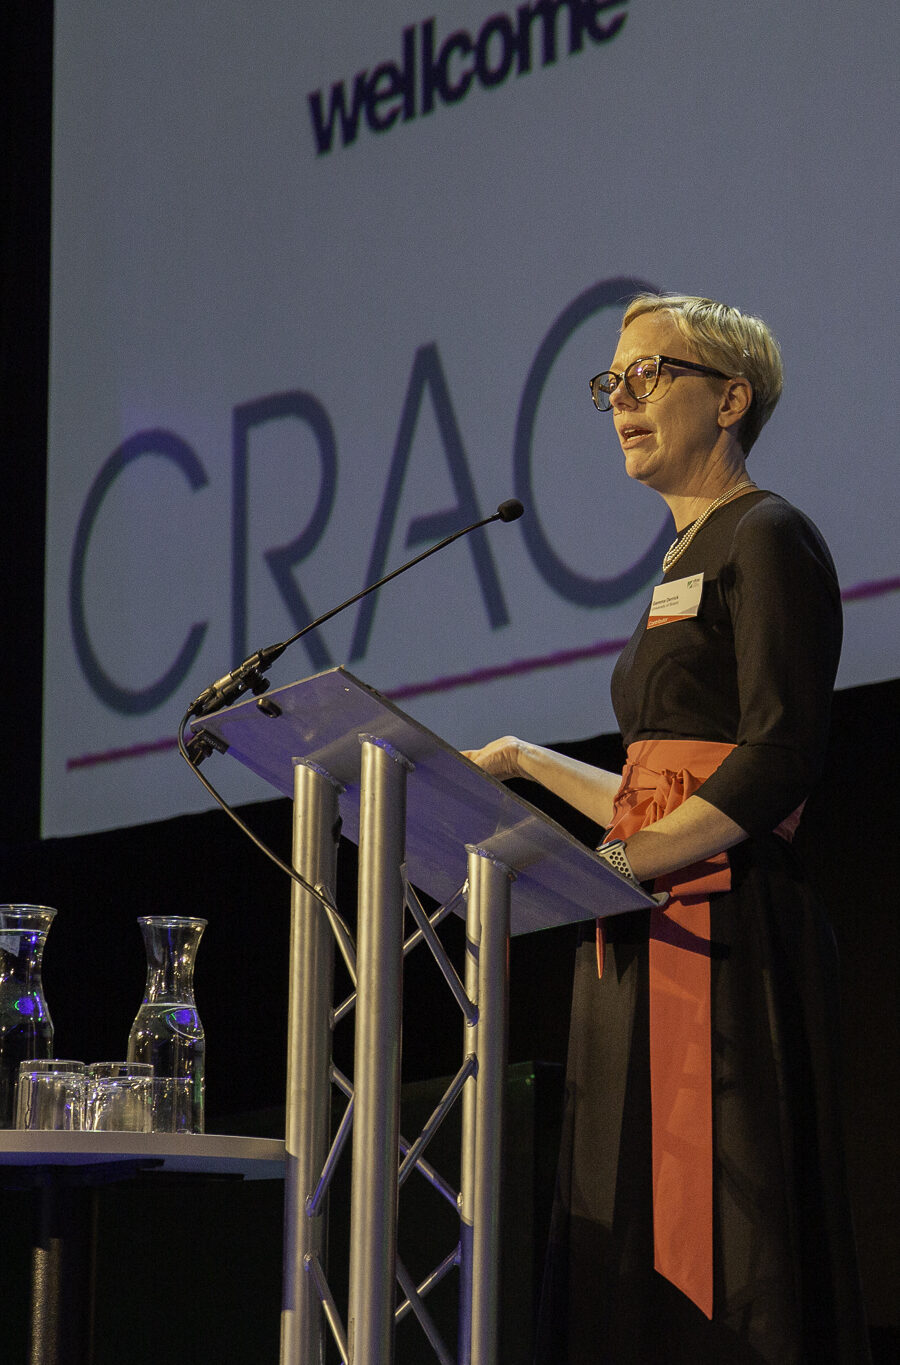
(329, 281)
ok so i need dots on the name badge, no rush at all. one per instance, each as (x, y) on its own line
(675, 601)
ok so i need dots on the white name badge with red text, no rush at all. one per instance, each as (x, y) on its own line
(675, 601)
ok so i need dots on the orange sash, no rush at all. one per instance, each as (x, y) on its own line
(659, 776)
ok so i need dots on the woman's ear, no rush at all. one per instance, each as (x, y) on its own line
(735, 401)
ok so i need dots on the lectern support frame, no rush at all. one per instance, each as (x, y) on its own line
(376, 1129)
(341, 749)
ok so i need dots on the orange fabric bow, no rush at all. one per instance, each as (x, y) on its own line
(659, 777)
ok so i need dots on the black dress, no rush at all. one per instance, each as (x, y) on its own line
(755, 668)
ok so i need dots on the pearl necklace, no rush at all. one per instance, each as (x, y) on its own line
(680, 543)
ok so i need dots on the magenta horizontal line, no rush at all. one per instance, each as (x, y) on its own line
(516, 668)
(446, 684)
(156, 746)
(513, 669)
(877, 588)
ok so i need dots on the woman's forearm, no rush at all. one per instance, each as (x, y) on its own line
(687, 835)
(588, 789)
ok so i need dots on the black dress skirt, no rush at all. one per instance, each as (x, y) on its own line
(755, 669)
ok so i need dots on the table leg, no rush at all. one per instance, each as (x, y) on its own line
(62, 1272)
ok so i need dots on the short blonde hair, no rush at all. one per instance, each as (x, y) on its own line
(728, 340)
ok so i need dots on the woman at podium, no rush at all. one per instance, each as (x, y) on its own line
(701, 1211)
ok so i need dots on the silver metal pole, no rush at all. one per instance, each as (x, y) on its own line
(376, 1078)
(487, 970)
(467, 1153)
(307, 1117)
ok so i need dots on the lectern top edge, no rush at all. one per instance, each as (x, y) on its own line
(451, 803)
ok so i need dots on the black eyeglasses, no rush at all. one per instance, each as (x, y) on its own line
(641, 378)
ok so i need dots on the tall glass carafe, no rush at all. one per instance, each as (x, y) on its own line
(167, 1030)
(26, 1029)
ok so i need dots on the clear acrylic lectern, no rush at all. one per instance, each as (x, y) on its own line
(423, 817)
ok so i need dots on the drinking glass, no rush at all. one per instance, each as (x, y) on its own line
(119, 1097)
(172, 1105)
(50, 1094)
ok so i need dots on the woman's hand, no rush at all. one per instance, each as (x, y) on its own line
(500, 758)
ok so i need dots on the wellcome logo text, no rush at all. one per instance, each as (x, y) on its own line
(433, 70)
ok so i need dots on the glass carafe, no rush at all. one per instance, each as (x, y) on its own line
(167, 1030)
(26, 1029)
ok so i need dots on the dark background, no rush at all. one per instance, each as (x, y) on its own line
(210, 1255)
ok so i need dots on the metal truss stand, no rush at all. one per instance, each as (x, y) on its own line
(381, 1157)
(423, 817)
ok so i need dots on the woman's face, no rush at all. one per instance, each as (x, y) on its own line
(668, 439)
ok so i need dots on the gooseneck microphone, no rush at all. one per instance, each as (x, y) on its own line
(510, 510)
(248, 676)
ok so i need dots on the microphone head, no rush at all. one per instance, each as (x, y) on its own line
(510, 510)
